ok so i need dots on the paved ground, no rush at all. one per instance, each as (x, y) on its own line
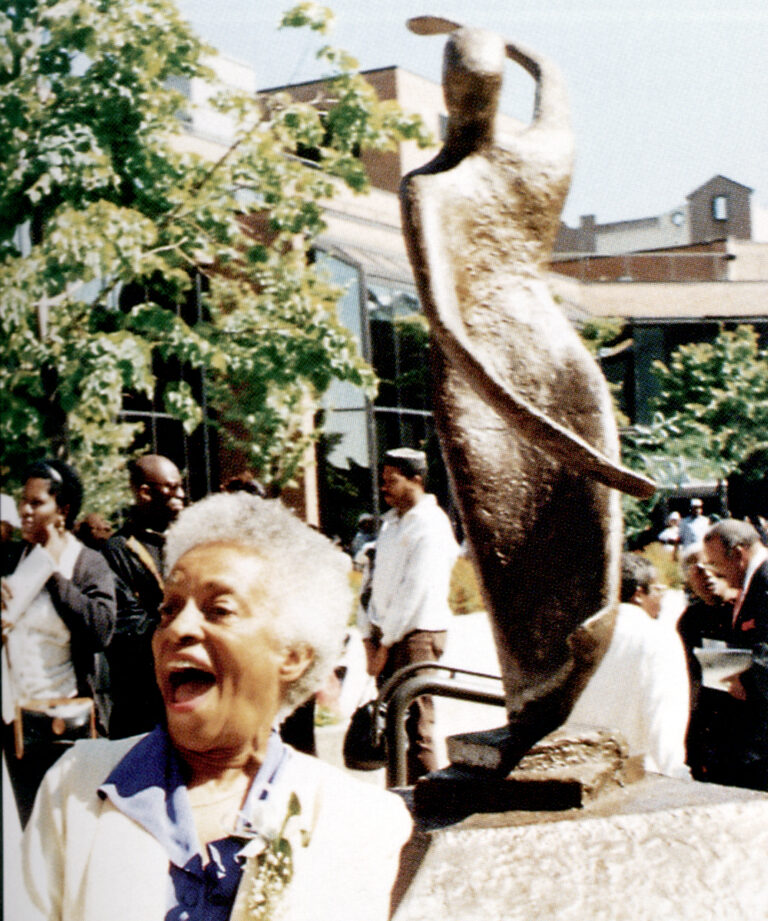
(470, 646)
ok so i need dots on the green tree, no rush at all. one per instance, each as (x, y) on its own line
(601, 332)
(107, 228)
(710, 413)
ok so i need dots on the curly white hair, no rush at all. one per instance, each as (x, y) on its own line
(308, 576)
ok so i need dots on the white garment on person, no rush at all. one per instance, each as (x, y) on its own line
(415, 554)
(693, 529)
(8, 511)
(640, 688)
(84, 860)
(39, 647)
(759, 556)
(670, 535)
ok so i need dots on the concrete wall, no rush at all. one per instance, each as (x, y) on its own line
(749, 262)
(670, 229)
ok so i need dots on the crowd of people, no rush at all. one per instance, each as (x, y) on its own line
(215, 622)
(181, 642)
(681, 533)
(697, 701)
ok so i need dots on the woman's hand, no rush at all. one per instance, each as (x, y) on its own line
(5, 596)
(55, 540)
(735, 687)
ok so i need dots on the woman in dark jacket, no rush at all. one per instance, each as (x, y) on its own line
(58, 613)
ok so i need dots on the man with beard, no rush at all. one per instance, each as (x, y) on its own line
(135, 554)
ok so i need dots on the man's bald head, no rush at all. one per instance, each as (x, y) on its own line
(158, 489)
(150, 467)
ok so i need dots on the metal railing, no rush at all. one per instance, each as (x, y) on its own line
(413, 681)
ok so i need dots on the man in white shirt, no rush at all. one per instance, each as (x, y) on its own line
(640, 687)
(407, 616)
(695, 526)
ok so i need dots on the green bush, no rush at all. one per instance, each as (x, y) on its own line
(464, 596)
(666, 564)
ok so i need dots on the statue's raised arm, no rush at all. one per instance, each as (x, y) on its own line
(522, 410)
(551, 108)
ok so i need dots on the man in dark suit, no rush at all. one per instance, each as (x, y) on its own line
(135, 554)
(735, 552)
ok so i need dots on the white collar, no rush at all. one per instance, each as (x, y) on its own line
(66, 564)
(755, 563)
(423, 501)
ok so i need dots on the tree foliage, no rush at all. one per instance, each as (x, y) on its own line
(710, 412)
(712, 404)
(600, 332)
(107, 225)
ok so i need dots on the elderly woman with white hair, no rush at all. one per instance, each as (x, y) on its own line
(211, 816)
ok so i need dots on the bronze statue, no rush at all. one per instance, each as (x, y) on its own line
(522, 410)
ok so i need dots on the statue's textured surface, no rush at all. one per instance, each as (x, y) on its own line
(523, 412)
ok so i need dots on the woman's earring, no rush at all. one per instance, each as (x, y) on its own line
(60, 526)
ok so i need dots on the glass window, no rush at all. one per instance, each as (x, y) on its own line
(346, 411)
(720, 207)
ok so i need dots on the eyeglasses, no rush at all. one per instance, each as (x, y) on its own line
(168, 489)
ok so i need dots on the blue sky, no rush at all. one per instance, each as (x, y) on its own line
(665, 93)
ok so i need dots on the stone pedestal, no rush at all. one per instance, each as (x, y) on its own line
(566, 769)
(655, 849)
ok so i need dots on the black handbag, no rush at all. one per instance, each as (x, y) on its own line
(365, 747)
(53, 721)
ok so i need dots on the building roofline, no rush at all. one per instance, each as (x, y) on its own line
(703, 247)
(719, 176)
(629, 222)
(363, 73)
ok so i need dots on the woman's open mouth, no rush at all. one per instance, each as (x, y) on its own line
(188, 683)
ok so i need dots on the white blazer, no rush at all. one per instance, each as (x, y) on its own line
(84, 860)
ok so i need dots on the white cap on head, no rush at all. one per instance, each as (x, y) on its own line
(8, 511)
(409, 461)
